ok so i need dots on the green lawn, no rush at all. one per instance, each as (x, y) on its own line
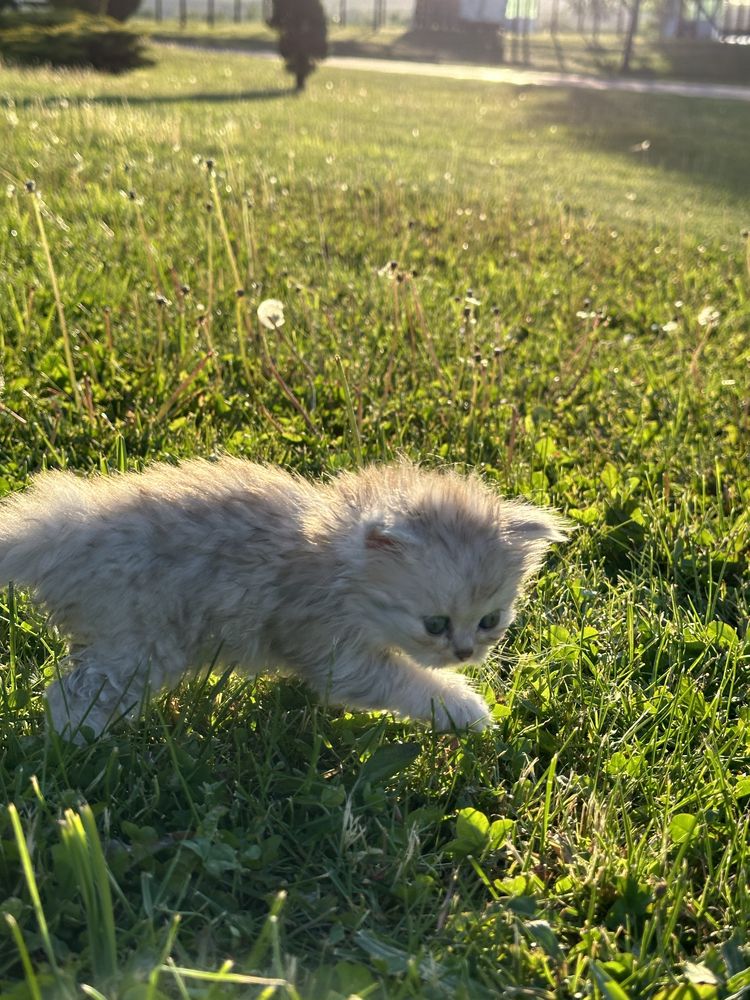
(595, 844)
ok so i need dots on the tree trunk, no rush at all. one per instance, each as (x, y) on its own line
(555, 18)
(596, 16)
(627, 52)
(525, 48)
(620, 19)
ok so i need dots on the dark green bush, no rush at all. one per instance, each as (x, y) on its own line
(70, 39)
(120, 10)
(301, 25)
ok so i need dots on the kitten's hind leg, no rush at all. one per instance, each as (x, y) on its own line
(398, 684)
(104, 686)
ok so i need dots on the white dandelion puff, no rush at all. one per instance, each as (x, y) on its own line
(271, 313)
(708, 316)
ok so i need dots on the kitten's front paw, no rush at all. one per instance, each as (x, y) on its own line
(463, 709)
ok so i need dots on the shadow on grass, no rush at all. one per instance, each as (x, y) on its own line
(703, 140)
(685, 59)
(136, 100)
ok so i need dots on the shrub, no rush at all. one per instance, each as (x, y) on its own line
(120, 10)
(302, 35)
(70, 39)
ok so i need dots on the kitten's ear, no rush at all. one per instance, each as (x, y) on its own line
(534, 525)
(380, 535)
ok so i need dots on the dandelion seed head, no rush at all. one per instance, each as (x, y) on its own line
(389, 270)
(708, 316)
(271, 313)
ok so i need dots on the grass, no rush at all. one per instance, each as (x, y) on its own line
(566, 52)
(242, 841)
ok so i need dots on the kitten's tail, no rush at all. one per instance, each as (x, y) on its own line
(36, 524)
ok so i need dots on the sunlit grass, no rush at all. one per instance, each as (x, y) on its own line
(567, 310)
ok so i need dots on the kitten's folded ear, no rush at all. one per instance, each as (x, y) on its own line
(383, 534)
(535, 526)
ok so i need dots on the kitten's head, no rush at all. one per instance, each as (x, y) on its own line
(442, 562)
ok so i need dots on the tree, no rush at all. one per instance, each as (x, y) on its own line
(635, 10)
(302, 36)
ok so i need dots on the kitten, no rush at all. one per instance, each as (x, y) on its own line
(365, 586)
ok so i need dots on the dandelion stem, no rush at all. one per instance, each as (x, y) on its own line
(356, 434)
(210, 264)
(167, 405)
(149, 250)
(238, 286)
(249, 228)
(58, 303)
(225, 231)
(290, 395)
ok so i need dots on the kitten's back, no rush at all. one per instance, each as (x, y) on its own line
(62, 512)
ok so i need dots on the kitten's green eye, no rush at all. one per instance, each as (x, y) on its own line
(437, 624)
(490, 621)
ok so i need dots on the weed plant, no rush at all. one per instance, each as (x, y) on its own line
(549, 287)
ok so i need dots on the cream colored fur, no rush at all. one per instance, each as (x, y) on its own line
(154, 574)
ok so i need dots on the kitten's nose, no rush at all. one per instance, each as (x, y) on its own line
(464, 654)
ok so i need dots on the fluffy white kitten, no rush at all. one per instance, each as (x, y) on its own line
(365, 586)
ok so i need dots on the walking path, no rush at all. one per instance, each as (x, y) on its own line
(534, 78)
(513, 75)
